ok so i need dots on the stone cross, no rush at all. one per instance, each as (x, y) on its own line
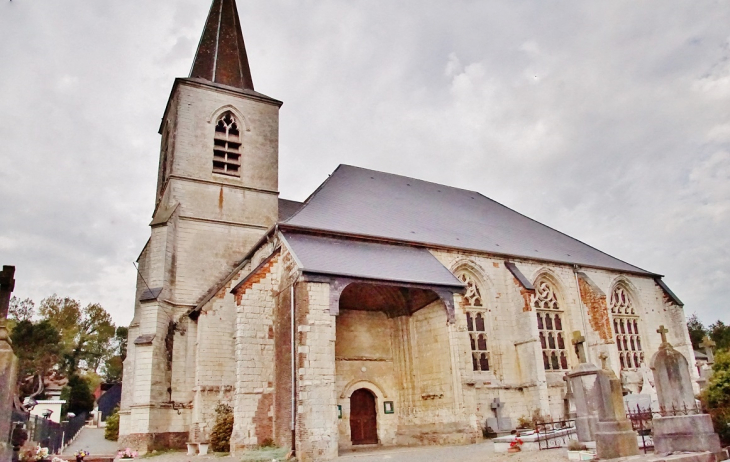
(578, 341)
(7, 284)
(663, 332)
(497, 407)
(708, 345)
(604, 360)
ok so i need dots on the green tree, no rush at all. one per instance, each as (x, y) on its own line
(86, 333)
(113, 367)
(717, 395)
(720, 334)
(80, 398)
(21, 310)
(38, 348)
(697, 331)
(120, 337)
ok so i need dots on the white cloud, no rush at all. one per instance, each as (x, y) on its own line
(605, 120)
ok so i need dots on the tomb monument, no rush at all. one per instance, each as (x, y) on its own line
(586, 392)
(682, 426)
(615, 436)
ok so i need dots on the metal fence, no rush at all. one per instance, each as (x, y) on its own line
(642, 420)
(46, 433)
(555, 433)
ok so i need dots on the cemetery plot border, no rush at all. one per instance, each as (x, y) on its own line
(642, 419)
(642, 423)
(555, 434)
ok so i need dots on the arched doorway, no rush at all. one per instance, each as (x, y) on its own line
(363, 417)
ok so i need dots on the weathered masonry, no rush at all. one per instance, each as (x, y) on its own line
(382, 310)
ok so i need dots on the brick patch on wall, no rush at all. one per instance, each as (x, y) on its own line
(597, 309)
(526, 295)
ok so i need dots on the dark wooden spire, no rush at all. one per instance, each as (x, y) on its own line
(221, 55)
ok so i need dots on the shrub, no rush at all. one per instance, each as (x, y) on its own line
(220, 437)
(524, 422)
(111, 432)
(716, 397)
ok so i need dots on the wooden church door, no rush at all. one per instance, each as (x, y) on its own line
(363, 417)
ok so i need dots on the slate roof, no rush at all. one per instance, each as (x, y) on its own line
(287, 208)
(368, 260)
(367, 203)
(221, 56)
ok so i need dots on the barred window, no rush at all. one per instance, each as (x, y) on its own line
(626, 329)
(475, 323)
(550, 327)
(227, 146)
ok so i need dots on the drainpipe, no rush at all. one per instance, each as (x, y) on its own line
(293, 370)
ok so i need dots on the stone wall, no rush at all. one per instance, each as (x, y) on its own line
(316, 423)
(364, 355)
(517, 376)
(255, 356)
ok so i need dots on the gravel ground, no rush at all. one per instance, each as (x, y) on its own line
(482, 452)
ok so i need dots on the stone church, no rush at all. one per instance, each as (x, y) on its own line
(382, 310)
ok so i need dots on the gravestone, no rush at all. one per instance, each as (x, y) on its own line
(615, 436)
(568, 400)
(708, 345)
(586, 393)
(499, 423)
(682, 426)
(705, 369)
(8, 365)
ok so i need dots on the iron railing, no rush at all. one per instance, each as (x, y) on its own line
(46, 433)
(555, 433)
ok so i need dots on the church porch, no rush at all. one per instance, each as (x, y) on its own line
(395, 377)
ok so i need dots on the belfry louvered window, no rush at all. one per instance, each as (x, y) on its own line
(550, 327)
(227, 146)
(476, 314)
(626, 329)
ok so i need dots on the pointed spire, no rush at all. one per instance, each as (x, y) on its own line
(221, 55)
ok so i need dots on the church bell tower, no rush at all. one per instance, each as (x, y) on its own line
(216, 195)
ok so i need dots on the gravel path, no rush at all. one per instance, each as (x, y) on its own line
(92, 440)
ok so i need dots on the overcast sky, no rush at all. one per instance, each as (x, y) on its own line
(609, 121)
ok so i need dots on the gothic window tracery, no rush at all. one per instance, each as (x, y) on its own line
(626, 329)
(476, 323)
(550, 326)
(227, 146)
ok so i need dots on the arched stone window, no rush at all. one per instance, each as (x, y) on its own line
(227, 146)
(550, 326)
(626, 328)
(476, 316)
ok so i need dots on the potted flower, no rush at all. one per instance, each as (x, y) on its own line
(38, 453)
(516, 444)
(81, 454)
(127, 454)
